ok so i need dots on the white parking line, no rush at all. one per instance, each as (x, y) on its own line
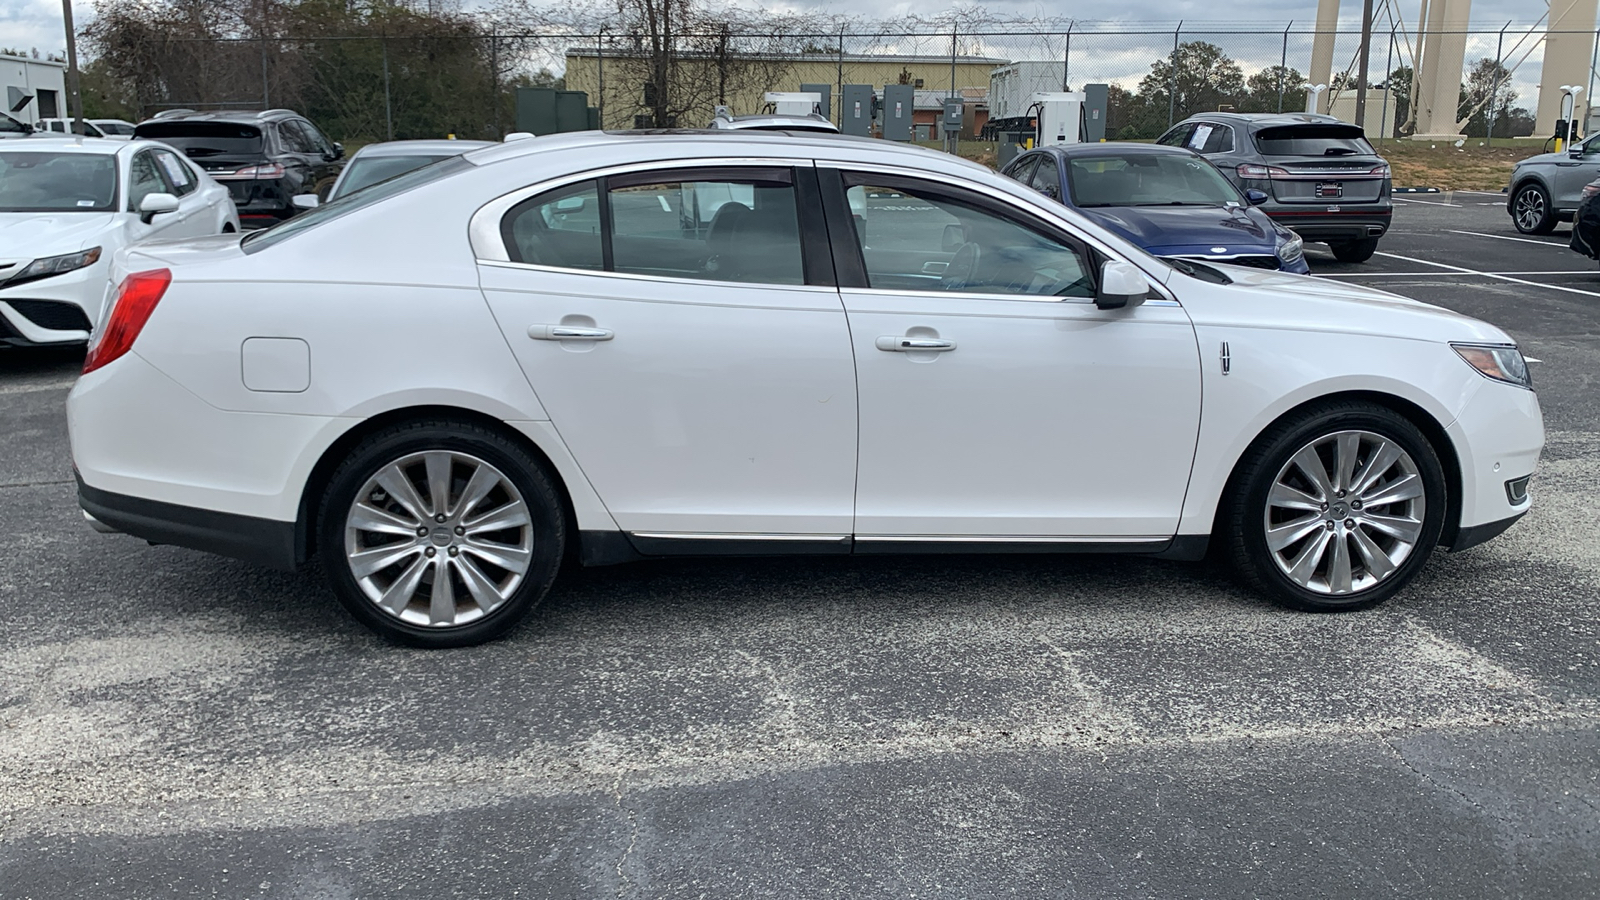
(1426, 202)
(1553, 287)
(1503, 237)
(1489, 193)
(1437, 274)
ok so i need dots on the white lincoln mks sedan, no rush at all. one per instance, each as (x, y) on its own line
(604, 347)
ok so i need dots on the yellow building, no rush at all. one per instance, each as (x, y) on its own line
(739, 84)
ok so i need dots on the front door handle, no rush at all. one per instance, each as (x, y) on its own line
(568, 333)
(902, 344)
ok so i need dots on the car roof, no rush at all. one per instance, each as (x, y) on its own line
(709, 138)
(223, 115)
(73, 143)
(420, 147)
(1114, 148)
(1268, 120)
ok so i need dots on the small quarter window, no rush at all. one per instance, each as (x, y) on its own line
(558, 228)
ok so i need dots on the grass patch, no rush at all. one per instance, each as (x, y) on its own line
(1470, 167)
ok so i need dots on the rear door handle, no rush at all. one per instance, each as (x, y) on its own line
(568, 333)
(901, 344)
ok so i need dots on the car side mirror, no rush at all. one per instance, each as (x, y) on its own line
(954, 237)
(338, 150)
(1122, 286)
(155, 204)
(1256, 197)
(305, 201)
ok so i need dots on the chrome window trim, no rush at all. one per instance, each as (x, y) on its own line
(657, 279)
(483, 229)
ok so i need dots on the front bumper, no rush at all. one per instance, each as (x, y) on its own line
(61, 309)
(1498, 438)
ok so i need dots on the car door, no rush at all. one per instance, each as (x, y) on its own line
(145, 178)
(680, 326)
(194, 217)
(997, 401)
(1573, 172)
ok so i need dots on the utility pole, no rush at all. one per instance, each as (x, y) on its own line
(1361, 64)
(74, 95)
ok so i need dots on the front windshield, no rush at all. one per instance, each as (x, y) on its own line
(1148, 179)
(57, 182)
(367, 171)
(349, 203)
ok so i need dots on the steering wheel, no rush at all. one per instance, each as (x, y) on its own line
(963, 266)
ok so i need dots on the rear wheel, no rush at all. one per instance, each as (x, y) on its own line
(1531, 211)
(440, 534)
(1354, 251)
(1336, 509)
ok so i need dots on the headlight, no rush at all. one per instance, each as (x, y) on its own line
(1497, 361)
(1292, 248)
(56, 265)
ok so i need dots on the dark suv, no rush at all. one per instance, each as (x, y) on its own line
(265, 158)
(1321, 177)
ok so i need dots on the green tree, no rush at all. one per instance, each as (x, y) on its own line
(1487, 77)
(1195, 77)
(1261, 90)
(1399, 85)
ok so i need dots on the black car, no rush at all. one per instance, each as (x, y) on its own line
(1321, 177)
(265, 158)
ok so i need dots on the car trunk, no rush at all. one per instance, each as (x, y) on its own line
(1321, 163)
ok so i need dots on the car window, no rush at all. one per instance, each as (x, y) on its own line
(1047, 178)
(1023, 169)
(365, 171)
(919, 237)
(727, 226)
(12, 126)
(198, 140)
(58, 182)
(1177, 136)
(1332, 139)
(557, 228)
(144, 179)
(319, 144)
(1209, 137)
(294, 140)
(1148, 179)
(178, 173)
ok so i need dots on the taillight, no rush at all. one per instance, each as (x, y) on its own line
(257, 173)
(1250, 171)
(1379, 171)
(136, 300)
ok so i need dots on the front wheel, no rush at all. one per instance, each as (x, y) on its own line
(1531, 211)
(1336, 509)
(1354, 251)
(440, 534)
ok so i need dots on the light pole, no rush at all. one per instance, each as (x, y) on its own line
(74, 96)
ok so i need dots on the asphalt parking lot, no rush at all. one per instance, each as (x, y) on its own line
(178, 725)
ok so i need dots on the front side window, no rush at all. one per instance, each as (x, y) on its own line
(730, 227)
(178, 173)
(1047, 179)
(144, 179)
(293, 138)
(917, 237)
(1023, 169)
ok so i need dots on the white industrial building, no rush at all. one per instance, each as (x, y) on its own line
(33, 89)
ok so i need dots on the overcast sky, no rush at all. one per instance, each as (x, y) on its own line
(29, 24)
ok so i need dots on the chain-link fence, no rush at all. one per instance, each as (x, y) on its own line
(375, 87)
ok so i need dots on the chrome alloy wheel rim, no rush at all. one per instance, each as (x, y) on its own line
(1530, 209)
(439, 538)
(1345, 512)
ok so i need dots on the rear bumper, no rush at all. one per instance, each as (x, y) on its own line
(263, 541)
(1345, 225)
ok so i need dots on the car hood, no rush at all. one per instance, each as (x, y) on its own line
(1548, 158)
(1260, 298)
(33, 235)
(1207, 230)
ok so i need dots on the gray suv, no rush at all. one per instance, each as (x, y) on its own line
(1321, 178)
(1547, 188)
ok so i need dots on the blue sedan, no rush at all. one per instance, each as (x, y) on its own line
(1168, 200)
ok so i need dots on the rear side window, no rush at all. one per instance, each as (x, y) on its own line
(178, 173)
(560, 228)
(1210, 137)
(198, 140)
(1312, 140)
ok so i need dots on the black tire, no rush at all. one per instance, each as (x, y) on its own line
(1531, 210)
(1244, 511)
(546, 529)
(1354, 251)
